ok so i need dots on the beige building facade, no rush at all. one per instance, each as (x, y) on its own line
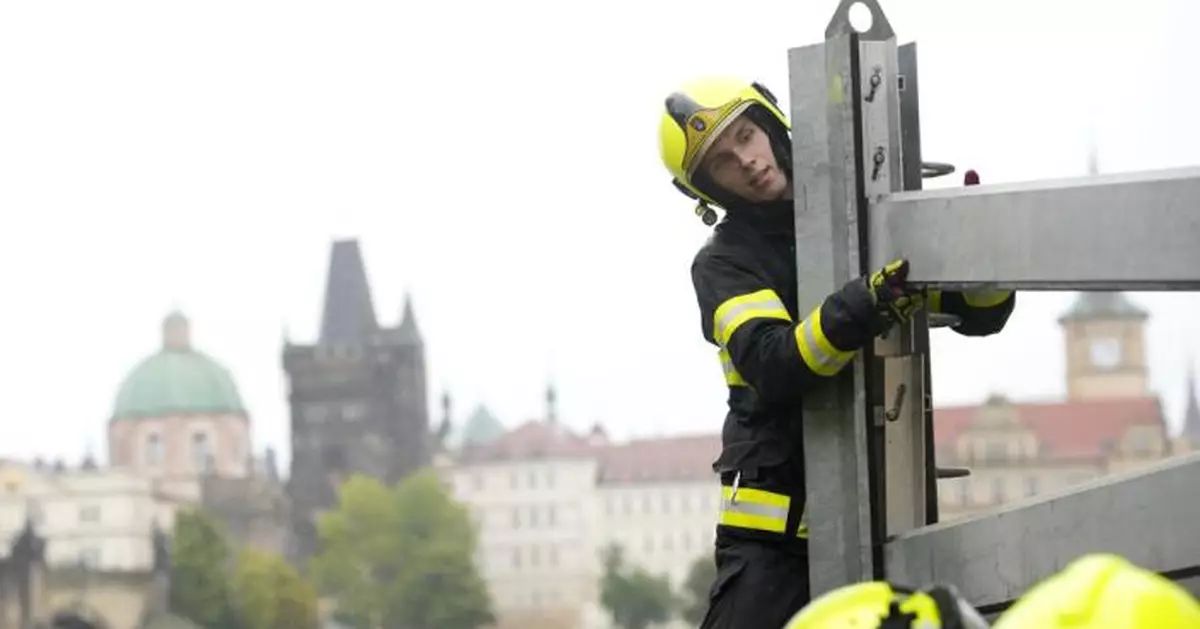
(1110, 421)
(548, 502)
(101, 519)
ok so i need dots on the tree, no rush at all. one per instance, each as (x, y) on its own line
(696, 587)
(199, 583)
(271, 594)
(633, 597)
(401, 557)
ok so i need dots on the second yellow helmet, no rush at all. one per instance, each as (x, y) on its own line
(1103, 591)
(881, 605)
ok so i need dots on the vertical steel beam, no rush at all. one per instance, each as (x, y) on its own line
(909, 86)
(831, 174)
(902, 416)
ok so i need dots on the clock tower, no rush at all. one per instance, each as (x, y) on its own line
(1106, 347)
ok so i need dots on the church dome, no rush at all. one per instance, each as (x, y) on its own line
(177, 380)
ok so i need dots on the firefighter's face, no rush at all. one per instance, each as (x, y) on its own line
(741, 161)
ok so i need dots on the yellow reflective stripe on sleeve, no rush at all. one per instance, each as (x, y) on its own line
(933, 300)
(730, 316)
(802, 530)
(732, 377)
(754, 509)
(818, 353)
(985, 297)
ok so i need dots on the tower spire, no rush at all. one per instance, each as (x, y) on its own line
(1191, 414)
(408, 331)
(349, 314)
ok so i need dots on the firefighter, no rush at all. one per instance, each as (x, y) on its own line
(880, 605)
(726, 144)
(1103, 591)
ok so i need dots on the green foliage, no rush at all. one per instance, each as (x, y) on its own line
(199, 583)
(271, 594)
(402, 556)
(696, 587)
(633, 597)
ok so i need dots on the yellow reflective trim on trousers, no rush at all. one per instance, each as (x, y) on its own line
(730, 316)
(754, 509)
(985, 297)
(732, 377)
(818, 353)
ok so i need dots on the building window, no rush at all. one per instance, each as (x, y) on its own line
(550, 478)
(333, 457)
(516, 558)
(1031, 486)
(648, 545)
(315, 413)
(533, 480)
(516, 518)
(551, 519)
(534, 556)
(153, 449)
(512, 480)
(552, 556)
(685, 504)
(354, 411)
(995, 450)
(646, 504)
(627, 503)
(89, 557)
(533, 516)
(667, 543)
(964, 492)
(997, 490)
(666, 503)
(201, 452)
(90, 513)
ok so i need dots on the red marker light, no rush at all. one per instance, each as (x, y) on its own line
(970, 178)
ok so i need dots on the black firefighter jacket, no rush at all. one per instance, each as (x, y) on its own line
(745, 282)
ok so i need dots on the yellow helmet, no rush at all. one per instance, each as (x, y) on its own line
(695, 114)
(1103, 592)
(880, 605)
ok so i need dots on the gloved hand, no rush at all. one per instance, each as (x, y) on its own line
(895, 301)
(882, 299)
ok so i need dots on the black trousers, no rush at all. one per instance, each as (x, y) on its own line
(760, 585)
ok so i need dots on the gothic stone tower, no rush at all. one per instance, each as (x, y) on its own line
(357, 397)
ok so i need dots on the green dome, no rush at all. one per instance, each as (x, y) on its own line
(480, 429)
(177, 380)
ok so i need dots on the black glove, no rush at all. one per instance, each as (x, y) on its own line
(882, 299)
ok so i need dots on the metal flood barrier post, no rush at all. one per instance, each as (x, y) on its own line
(872, 491)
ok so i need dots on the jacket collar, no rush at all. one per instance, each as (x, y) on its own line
(776, 217)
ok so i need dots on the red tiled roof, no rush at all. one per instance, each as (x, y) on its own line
(660, 460)
(1065, 430)
(531, 440)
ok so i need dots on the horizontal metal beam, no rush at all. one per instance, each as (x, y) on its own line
(1134, 231)
(1148, 517)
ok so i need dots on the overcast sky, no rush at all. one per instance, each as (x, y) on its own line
(499, 161)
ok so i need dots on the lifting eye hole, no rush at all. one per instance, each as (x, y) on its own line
(762, 89)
